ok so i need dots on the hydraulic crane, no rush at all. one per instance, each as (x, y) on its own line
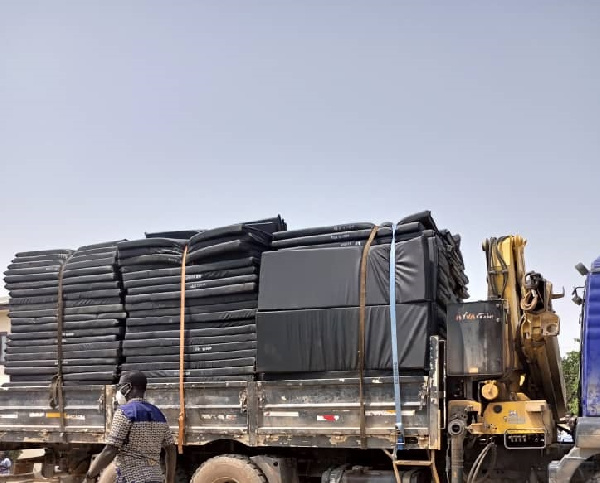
(504, 369)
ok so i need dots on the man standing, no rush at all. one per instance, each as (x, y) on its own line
(138, 433)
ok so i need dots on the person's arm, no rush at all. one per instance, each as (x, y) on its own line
(101, 462)
(119, 431)
(170, 463)
(170, 455)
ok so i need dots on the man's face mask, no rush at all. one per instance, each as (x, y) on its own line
(122, 392)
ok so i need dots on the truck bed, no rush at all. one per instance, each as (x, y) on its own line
(308, 413)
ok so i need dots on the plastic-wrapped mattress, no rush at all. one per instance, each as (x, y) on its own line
(308, 320)
(221, 296)
(317, 340)
(93, 314)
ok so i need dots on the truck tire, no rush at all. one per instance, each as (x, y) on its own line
(229, 469)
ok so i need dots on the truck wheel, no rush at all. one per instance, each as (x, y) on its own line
(229, 469)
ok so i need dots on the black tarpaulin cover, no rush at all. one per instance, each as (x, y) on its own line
(327, 339)
(321, 278)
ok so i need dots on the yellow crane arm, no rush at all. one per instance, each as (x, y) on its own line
(533, 364)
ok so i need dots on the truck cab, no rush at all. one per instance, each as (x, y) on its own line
(587, 430)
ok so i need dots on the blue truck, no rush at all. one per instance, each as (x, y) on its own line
(581, 461)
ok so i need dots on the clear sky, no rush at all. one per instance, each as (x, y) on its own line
(119, 117)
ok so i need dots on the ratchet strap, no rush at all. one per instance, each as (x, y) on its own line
(361, 339)
(57, 399)
(181, 435)
(393, 332)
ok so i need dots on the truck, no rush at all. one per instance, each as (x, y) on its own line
(488, 407)
(582, 460)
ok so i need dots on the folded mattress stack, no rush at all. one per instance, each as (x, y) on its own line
(221, 296)
(92, 316)
(257, 298)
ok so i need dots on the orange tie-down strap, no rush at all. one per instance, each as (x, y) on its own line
(361, 339)
(181, 435)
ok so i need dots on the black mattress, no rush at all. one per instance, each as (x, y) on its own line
(221, 282)
(402, 232)
(93, 314)
(320, 340)
(321, 278)
(330, 276)
(258, 297)
(310, 291)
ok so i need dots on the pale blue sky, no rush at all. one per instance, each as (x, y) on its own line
(119, 117)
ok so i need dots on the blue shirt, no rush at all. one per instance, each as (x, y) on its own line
(139, 431)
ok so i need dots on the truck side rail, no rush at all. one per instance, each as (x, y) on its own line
(313, 412)
(26, 415)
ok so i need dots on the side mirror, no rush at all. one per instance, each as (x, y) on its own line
(576, 298)
(582, 269)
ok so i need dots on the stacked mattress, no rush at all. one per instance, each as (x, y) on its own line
(308, 319)
(93, 316)
(221, 297)
(122, 302)
(149, 258)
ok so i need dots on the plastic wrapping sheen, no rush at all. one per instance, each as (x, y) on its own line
(323, 278)
(318, 340)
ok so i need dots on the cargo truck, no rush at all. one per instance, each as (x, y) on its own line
(487, 406)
